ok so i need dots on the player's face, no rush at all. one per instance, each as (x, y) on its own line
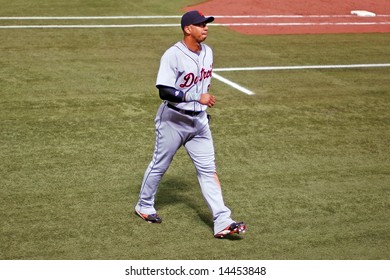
(199, 31)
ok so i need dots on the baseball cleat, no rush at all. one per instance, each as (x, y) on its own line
(233, 228)
(150, 218)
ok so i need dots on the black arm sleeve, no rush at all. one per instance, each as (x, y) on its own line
(171, 94)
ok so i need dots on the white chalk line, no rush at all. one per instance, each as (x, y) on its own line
(87, 17)
(178, 25)
(295, 16)
(300, 67)
(301, 23)
(173, 17)
(70, 26)
(138, 25)
(233, 84)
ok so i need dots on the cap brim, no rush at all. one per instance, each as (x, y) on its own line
(207, 20)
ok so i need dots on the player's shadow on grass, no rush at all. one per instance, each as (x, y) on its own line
(173, 191)
(178, 191)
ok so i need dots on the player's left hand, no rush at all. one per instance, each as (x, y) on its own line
(207, 99)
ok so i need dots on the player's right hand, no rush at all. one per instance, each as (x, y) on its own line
(207, 99)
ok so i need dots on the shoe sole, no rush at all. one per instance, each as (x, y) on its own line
(145, 219)
(238, 230)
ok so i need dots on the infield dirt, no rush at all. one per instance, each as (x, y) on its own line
(299, 17)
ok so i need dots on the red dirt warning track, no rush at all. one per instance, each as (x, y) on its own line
(298, 16)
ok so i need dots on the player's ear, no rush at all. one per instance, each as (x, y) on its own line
(187, 29)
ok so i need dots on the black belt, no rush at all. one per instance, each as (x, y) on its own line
(186, 112)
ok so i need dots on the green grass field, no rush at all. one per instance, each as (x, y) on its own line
(305, 162)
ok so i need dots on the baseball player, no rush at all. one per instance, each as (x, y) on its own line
(183, 81)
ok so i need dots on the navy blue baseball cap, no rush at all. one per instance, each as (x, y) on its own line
(194, 17)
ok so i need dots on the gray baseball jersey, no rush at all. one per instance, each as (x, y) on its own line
(187, 71)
